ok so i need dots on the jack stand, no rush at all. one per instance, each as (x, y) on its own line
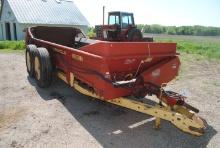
(157, 124)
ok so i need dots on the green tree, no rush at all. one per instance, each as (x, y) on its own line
(171, 30)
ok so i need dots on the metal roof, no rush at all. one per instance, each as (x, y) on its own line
(63, 12)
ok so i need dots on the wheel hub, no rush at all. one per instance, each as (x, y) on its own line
(28, 61)
(37, 68)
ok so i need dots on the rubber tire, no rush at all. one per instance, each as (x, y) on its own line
(135, 35)
(32, 49)
(45, 68)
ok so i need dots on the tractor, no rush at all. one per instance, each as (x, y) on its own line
(121, 27)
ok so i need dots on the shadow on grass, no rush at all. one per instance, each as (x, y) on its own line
(114, 126)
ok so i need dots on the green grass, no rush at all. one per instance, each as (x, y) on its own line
(208, 47)
(10, 46)
(205, 49)
(203, 46)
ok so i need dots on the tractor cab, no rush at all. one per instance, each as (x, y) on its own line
(121, 27)
(123, 19)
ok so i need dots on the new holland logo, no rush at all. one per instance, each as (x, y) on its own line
(59, 51)
(156, 73)
(174, 66)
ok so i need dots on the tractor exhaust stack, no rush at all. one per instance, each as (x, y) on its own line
(103, 15)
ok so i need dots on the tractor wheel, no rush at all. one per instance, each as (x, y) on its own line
(135, 35)
(42, 68)
(29, 56)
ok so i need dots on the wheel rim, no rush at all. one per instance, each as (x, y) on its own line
(37, 68)
(28, 61)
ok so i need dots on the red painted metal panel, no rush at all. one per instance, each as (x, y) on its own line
(100, 64)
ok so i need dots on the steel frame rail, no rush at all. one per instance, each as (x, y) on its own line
(180, 116)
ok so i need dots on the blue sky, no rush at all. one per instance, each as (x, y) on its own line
(164, 12)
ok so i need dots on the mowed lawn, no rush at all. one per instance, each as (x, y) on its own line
(204, 46)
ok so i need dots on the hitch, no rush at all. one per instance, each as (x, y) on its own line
(179, 115)
(169, 98)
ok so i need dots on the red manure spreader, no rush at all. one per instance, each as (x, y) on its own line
(118, 72)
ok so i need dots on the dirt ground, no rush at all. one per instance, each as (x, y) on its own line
(61, 117)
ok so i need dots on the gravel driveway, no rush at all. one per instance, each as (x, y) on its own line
(61, 117)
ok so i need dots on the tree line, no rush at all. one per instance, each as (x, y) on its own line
(182, 30)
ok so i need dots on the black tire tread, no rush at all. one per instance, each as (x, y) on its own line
(45, 68)
(134, 31)
(32, 49)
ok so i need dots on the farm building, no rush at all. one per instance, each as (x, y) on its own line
(16, 15)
